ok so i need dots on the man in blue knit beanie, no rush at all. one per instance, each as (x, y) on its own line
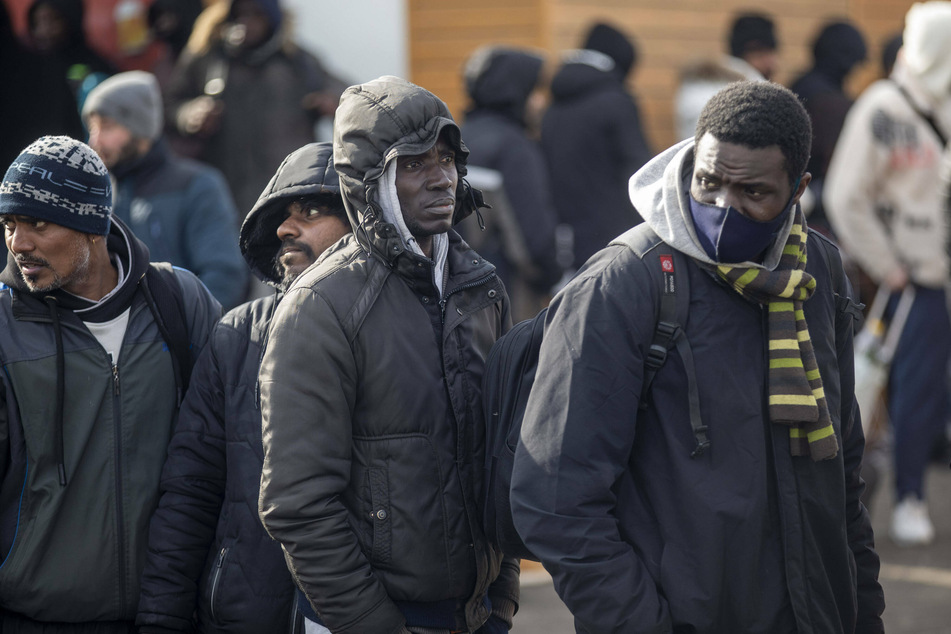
(94, 357)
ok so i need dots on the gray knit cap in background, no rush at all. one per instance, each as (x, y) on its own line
(132, 99)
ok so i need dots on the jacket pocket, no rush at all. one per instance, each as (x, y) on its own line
(215, 583)
(380, 515)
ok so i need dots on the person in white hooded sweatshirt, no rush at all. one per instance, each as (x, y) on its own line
(885, 201)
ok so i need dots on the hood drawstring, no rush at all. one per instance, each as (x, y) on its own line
(470, 194)
(60, 391)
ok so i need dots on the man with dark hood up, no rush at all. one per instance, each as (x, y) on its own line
(593, 141)
(249, 96)
(370, 389)
(96, 346)
(837, 51)
(500, 82)
(728, 498)
(211, 566)
(181, 209)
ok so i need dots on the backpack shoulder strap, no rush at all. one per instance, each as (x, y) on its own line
(663, 263)
(164, 297)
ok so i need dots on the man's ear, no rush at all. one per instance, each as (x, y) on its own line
(803, 183)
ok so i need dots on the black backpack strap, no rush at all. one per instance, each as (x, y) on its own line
(663, 263)
(164, 298)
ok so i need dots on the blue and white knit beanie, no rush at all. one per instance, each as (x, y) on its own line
(60, 180)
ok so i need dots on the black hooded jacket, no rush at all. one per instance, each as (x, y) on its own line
(83, 438)
(593, 141)
(495, 131)
(371, 403)
(210, 559)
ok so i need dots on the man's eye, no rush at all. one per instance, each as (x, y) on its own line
(40, 224)
(706, 183)
(449, 159)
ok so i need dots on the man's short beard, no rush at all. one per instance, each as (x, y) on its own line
(80, 272)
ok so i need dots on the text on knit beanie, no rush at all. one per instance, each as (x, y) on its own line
(132, 99)
(60, 180)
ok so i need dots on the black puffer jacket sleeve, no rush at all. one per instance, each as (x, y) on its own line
(193, 484)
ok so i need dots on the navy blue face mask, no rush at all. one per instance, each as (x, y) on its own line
(728, 236)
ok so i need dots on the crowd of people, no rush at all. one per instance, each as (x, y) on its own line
(243, 383)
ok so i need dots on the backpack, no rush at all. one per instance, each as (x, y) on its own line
(512, 364)
(164, 298)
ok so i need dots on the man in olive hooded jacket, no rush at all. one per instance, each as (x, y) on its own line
(370, 392)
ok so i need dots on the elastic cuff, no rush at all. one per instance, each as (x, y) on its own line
(504, 609)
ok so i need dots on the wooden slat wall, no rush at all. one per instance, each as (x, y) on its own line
(443, 35)
(668, 33)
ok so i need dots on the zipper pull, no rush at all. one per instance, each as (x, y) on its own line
(442, 311)
(115, 380)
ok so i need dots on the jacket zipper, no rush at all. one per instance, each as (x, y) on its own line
(120, 523)
(459, 289)
(216, 579)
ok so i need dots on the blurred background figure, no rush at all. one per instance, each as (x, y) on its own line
(838, 49)
(887, 204)
(754, 55)
(520, 228)
(890, 49)
(35, 99)
(593, 140)
(247, 95)
(56, 32)
(179, 208)
(170, 23)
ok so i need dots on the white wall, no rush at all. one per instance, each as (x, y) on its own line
(358, 40)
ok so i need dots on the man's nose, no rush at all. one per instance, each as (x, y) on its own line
(441, 176)
(288, 228)
(18, 241)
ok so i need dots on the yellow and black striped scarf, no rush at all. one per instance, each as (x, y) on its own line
(796, 397)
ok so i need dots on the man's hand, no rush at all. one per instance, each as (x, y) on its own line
(202, 116)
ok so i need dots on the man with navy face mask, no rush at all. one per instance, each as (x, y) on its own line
(760, 527)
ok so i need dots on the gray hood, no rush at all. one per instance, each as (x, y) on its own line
(659, 192)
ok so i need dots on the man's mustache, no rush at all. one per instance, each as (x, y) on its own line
(288, 244)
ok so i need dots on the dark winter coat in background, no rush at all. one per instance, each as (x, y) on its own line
(496, 135)
(183, 212)
(593, 142)
(263, 120)
(209, 555)
(372, 412)
(75, 553)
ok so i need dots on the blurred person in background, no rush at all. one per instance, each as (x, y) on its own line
(248, 95)
(35, 99)
(754, 55)
(838, 49)
(884, 198)
(181, 209)
(56, 31)
(170, 22)
(501, 82)
(593, 139)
